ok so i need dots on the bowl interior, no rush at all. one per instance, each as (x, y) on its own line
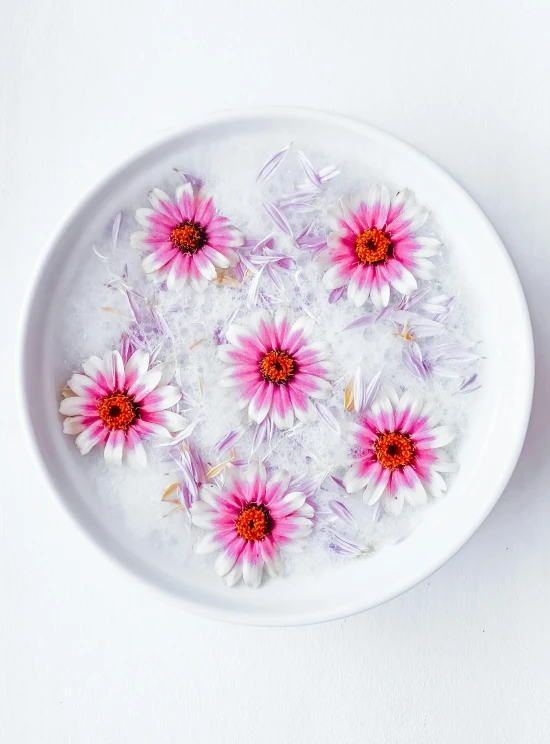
(489, 449)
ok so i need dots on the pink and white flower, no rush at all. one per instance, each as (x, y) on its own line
(373, 246)
(185, 239)
(119, 405)
(250, 520)
(276, 369)
(394, 451)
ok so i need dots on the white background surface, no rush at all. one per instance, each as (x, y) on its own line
(85, 654)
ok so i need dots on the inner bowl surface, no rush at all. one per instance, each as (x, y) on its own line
(490, 447)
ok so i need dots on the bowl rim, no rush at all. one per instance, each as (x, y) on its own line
(231, 615)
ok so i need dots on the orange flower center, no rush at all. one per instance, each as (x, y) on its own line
(277, 367)
(117, 411)
(189, 237)
(254, 522)
(394, 450)
(373, 246)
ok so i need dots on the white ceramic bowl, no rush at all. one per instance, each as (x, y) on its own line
(490, 447)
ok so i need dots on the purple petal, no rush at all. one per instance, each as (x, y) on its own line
(348, 548)
(366, 320)
(287, 263)
(278, 218)
(228, 440)
(133, 306)
(468, 385)
(413, 363)
(309, 170)
(342, 512)
(272, 164)
(338, 482)
(336, 295)
(365, 393)
(328, 173)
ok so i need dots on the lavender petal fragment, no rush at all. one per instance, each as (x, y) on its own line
(115, 230)
(327, 417)
(468, 385)
(348, 548)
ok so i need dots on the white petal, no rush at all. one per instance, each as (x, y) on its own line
(428, 247)
(233, 576)
(137, 240)
(235, 333)
(332, 279)
(136, 456)
(224, 562)
(349, 430)
(256, 470)
(74, 406)
(374, 490)
(282, 422)
(442, 435)
(424, 269)
(168, 370)
(444, 465)
(184, 188)
(334, 216)
(145, 384)
(436, 486)
(209, 494)
(156, 196)
(293, 500)
(415, 216)
(373, 197)
(143, 214)
(89, 438)
(207, 544)
(137, 365)
(307, 416)
(113, 369)
(204, 520)
(393, 504)
(252, 573)
(206, 268)
(114, 447)
(416, 494)
(353, 480)
(406, 284)
(173, 421)
(273, 563)
(73, 425)
(385, 201)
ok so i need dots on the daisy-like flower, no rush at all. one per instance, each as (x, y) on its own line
(394, 448)
(119, 405)
(249, 521)
(373, 246)
(184, 238)
(276, 369)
